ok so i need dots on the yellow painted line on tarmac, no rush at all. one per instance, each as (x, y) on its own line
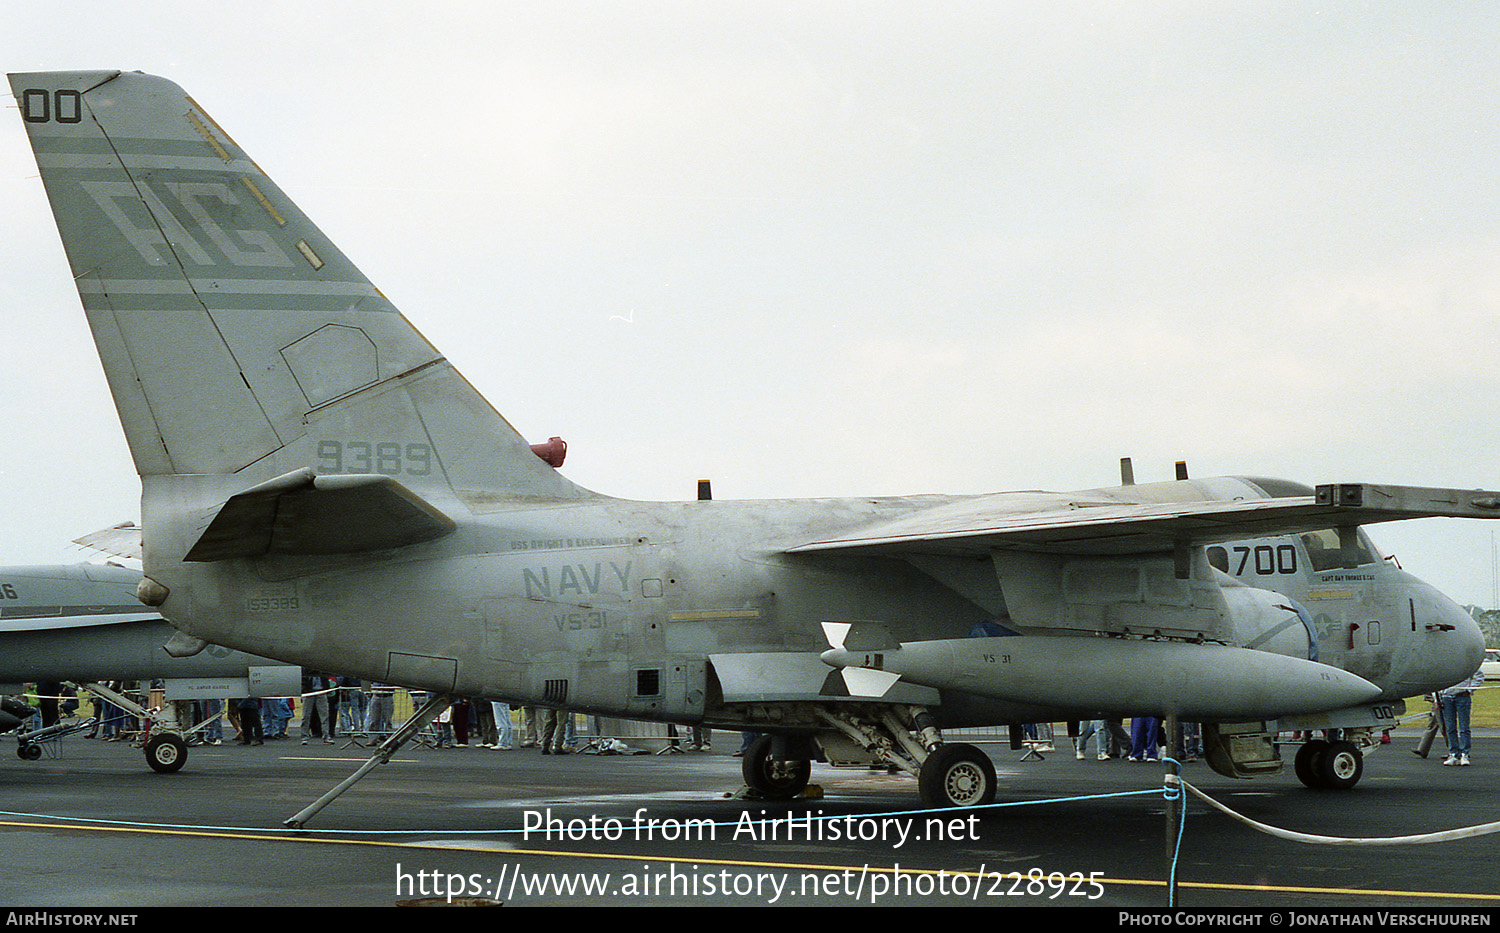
(393, 761)
(427, 846)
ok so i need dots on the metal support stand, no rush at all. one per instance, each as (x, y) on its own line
(1172, 757)
(1173, 780)
(673, 746)
(383, 753)
(30, 745)
(1035, 747)
(355, 740)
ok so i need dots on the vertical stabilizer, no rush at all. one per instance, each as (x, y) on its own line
(236, 338)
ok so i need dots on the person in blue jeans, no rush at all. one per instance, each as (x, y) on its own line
(1456, 702)
(1145, 736)
(504, 731)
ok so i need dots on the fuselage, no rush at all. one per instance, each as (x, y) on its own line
(624, 601)
(618, 607)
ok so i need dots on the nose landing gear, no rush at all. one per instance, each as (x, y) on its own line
(1325, 765)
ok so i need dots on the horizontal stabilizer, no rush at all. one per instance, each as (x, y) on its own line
(123, 540)
(302, 513)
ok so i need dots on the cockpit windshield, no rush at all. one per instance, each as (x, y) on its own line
(1324, 554)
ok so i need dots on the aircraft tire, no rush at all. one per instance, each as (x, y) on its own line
(1341, 766)
(166, 753)
(1309, 763)
(957, 775)
(773, 779)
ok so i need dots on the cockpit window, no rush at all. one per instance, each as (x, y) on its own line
(1324, 554)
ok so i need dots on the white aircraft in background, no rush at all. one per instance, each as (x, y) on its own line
(82, 623)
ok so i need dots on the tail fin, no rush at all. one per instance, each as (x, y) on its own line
(236, 338)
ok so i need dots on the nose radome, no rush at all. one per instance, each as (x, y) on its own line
(1445, 645)
(1470, 642)
(1461, 646)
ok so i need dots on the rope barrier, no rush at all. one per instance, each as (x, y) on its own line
(1448, 835)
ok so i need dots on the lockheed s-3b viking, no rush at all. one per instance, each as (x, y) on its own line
(320, 485)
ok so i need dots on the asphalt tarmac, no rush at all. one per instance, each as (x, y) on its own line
(94, 828)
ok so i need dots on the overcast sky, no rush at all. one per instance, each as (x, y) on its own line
(816, 249)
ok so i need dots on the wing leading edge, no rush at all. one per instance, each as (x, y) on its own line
(1105, 526)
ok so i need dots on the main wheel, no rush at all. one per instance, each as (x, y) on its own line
(957, 775)
(772, 778)
(1341, 766)
(1308, 763)
(166, 753)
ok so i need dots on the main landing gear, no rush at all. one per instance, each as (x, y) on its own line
(777, 767)
(771, 777)
(957, 775)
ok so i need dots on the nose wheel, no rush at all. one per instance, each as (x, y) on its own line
(1324, 765)
(166, 753)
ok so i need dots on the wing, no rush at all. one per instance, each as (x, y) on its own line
(1096, 525)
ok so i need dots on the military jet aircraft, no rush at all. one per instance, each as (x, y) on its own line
(320, 484)
(84, 623)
